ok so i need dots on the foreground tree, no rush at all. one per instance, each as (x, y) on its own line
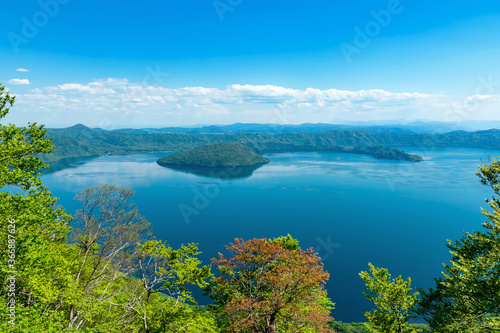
(160, 299)
(32, 231)
(341, 327)
(467, 297)
(271, 286)
(19, 147)
(125, 280)
(393, 300)
(106, 231)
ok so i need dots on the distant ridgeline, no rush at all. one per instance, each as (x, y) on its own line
(81, 141)
(230, 154)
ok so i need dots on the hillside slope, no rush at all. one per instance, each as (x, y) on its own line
(81, 141)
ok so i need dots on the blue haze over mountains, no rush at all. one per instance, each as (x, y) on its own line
(416, 127)
(81, 141)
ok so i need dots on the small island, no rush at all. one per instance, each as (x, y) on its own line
(219, 155)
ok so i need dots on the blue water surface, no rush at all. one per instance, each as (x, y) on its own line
(353, 209)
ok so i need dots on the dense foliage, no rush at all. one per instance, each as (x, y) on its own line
(392, 299)
(33, 251)
(341, 327)
(271, 286)
(229, 154)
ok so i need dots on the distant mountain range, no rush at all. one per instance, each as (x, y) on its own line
(81, 141)
(418, 127)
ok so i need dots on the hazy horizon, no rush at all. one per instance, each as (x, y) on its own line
(443, 126)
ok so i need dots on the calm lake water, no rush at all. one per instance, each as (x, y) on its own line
(352, 209)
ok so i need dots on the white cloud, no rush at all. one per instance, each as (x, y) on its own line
(73, 88)
(118, 102)
(22, 70)
(483, 99)
(19, 81)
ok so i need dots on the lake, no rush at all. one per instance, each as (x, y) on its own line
(353, 209)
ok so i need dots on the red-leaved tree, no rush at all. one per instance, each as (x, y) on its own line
(271, 286)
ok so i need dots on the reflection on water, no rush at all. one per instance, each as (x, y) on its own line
(68, 163)
(442, 167)
(219, 172)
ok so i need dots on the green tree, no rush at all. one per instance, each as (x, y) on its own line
(341, 327)
(271, 286)
(124, 280)
(19, 148)
(393, 301)
(159, 300)
(467, 297)
(32, 231)
(106, 229)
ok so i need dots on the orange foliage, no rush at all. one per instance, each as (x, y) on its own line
(268, 287)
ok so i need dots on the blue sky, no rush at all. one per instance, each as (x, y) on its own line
(170, 63)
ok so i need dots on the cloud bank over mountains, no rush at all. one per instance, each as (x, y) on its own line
(112, 103)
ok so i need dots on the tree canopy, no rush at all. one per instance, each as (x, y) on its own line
(229, 154)
(393, 301)
(271, 286)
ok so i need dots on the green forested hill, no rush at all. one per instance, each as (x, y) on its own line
(79, 141)
(228, 154)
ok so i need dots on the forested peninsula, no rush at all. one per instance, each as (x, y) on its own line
(81, 141)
